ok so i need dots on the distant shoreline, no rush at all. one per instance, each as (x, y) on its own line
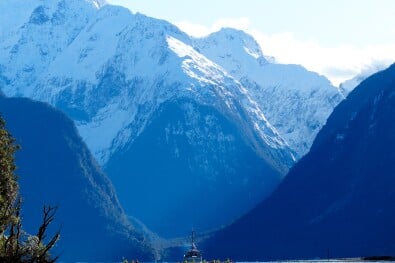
(362, 259)
(339, 260)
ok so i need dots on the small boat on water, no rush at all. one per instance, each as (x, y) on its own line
(193, 254)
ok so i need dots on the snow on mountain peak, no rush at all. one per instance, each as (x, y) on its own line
(113, 72)
(235, 97)
(196, 65)
(86, 51)
(181, 49)
(233, 49)
(44, 30)
(236, 39)
(283, 92)
(113, 94)
(151, 61)
(13, 14)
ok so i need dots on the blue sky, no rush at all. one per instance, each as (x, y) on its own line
(337, 38)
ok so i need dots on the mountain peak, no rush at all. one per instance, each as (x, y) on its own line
(241, 56)
(236, 41)
(232, 48)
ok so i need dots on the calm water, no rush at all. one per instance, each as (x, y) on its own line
(285, 261)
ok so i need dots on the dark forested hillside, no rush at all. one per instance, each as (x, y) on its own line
(339, 200)
(56, 168)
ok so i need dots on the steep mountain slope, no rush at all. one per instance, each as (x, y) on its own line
(295, 101)
(40, 32)
(147, 63)
(116, 74)
(349, 85)
(338, 201)
(56, 168)
(160, 168)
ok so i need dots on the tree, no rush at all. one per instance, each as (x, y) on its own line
(8, 180)
(16, 245)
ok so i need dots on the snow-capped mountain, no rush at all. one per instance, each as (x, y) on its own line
(113, 43)
(114, 73)
(42, 30)
(295, 101)
(162, 111)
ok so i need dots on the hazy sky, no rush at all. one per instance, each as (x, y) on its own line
(337, 38)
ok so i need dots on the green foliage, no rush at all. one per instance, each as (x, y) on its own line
(16, 245)
(8, 180)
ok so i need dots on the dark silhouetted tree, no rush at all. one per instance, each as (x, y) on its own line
(16, 245)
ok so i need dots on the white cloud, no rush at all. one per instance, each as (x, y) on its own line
(198, 30)
(195, 30)
(336, 63)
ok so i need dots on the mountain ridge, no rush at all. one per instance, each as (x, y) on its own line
(282, 92)
(338, 199)
(113, 96)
